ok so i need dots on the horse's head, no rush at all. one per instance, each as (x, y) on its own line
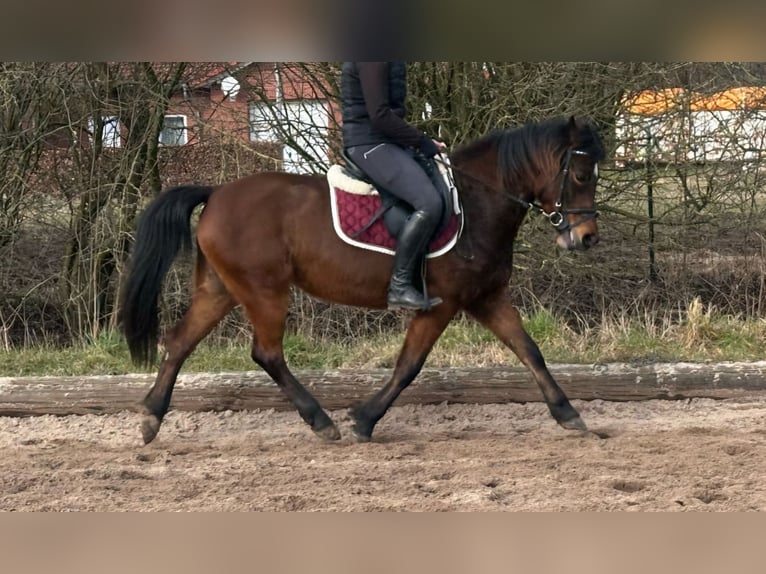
(549, 167)
(569, 201)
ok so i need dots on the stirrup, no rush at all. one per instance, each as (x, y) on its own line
(425, 303)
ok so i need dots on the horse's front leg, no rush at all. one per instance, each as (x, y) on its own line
(498, 314)
(423, 332)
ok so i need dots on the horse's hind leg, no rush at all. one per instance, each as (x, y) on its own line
(210, 303)
(267, 311)
(499, 315)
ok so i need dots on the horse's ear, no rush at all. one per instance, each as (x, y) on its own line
(572, 128)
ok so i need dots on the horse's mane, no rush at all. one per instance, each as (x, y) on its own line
(534, 149)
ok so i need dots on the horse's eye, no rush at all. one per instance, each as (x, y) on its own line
(585, 174)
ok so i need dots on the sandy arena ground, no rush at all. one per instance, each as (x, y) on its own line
(700, 455)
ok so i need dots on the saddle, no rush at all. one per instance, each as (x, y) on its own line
(370, 217)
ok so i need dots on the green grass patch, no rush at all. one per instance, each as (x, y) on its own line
(700, 334)
(545, 328)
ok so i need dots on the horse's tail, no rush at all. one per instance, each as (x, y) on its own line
(163, 229)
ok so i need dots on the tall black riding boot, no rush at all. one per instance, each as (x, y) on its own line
(410, 247)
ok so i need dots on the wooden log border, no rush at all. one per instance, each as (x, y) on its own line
(338, 389)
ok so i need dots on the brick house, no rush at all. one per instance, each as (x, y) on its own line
(256, 102)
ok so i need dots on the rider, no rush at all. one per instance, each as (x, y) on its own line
(382, 144)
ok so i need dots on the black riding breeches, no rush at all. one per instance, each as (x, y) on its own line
(395, 170)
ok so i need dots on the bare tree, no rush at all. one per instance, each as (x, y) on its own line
(681, 193)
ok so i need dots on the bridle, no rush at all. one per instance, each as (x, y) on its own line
(557, 217)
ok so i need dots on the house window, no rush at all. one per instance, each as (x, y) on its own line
(173, 130)
(110, 132)
(262, 118)
(301, 124)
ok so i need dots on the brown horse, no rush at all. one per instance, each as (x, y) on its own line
(259, 235)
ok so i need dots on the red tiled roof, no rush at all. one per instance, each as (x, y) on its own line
(195, 75)
(204, 74)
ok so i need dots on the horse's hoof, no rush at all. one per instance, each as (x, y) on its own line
(361, 430)
(150, 426)
(328, 433)
(576, 423)
(359, 436)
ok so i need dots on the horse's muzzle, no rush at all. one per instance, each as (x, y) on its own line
(575, 239)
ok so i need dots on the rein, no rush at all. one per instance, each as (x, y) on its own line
(557, 216)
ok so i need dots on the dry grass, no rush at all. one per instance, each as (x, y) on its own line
(694, 332)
